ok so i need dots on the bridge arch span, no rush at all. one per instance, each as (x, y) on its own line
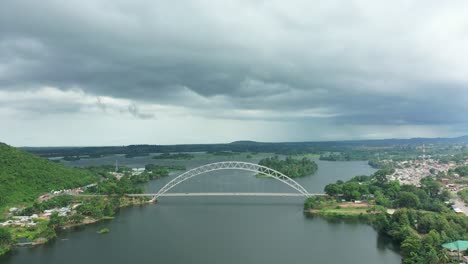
(233, 165)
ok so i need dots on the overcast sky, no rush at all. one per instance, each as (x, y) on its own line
(111, 72)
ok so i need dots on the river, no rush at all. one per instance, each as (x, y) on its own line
(220, 229)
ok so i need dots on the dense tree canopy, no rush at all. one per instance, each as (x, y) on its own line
(175, 156)
(5, 237)
(464, 195)
(462, 171)
(408, 199)
(290, 166)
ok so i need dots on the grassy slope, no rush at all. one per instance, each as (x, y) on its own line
(24, 176)
(345, 211)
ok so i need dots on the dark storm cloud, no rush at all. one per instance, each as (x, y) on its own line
(133, 110)
(353, 63)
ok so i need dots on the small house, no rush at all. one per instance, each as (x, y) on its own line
(456, 248)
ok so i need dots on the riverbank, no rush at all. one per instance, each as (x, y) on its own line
(420, 222)
(4, 250)
(48, 229)
(346, 210)
(177, 217)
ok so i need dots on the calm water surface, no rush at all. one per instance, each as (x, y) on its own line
(220, 229)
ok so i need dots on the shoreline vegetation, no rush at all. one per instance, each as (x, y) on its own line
(175, 156)
(28, 182)
(345, 209)
(417, 218)
(50, 229)
(86, 210)
(103, 231)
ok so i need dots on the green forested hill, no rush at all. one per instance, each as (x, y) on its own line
(24, 176)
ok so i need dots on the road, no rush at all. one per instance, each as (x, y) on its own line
(460, 204)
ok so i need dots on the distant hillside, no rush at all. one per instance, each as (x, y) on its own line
(24, 176)
(245, 142)
(286, 148)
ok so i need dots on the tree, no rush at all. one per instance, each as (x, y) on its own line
(93, 207)
(76, 218)
(56, 221)
(444, 257)
(333, 189)
(462, 171)
(108, 210)
(392, 189)
(413, 258)
(351, 190)
(445, 195)
(5, 237)
(432, 238)
(314, 202)
(401, 217)
(427, 222)
(381, 223)
(431, 186)
(411, 244)
(409, 200)
(430, 255)
(381, 175)
(381, 199)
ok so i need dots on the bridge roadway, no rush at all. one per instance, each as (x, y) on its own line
(226, 194)
(213, 194)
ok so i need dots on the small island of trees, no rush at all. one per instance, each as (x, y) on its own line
(291, 167)
(175, 156)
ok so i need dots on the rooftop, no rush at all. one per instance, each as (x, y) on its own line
(459, 245)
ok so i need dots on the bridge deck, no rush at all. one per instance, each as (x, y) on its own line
(225, 194)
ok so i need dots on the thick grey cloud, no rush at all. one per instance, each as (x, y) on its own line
(354, 63)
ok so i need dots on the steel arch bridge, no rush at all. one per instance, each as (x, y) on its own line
(233, 165)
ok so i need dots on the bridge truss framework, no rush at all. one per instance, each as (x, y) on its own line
(233, 165)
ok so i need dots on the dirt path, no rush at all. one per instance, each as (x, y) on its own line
(460, 204)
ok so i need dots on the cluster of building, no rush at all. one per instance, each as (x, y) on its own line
(117, 175)
(27, 221)
(75, 191)
(64, 211)
(137, 171)
(412, 171)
